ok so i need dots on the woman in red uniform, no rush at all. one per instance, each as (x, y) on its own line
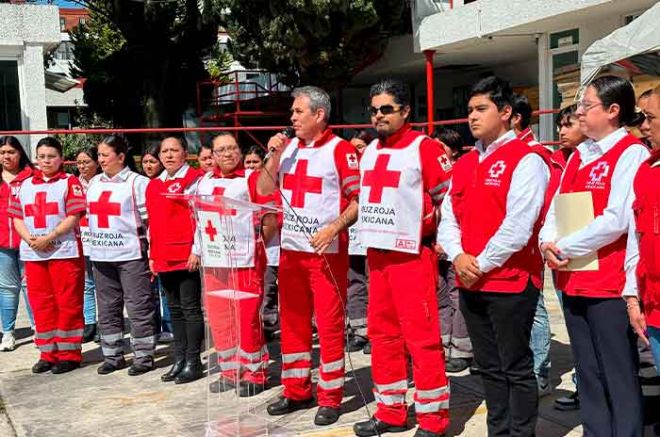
(602, 168)
(645, 242)
(242, 354)
(46, 213)
(16, 168)
(174, 258)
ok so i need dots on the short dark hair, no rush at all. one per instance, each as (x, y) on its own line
(223, 133)
(14, 143)
(364, 135)
(180, 138)
(256, 150)
(451, 138)
(119, 144)
(615, 90)
(522, 108)
(395, 88)
(566, 114)
(498, 90)
(153, 150)
(51, 142)
(206, 146)
(92, 152)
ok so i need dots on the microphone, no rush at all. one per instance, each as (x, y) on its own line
(288, 132)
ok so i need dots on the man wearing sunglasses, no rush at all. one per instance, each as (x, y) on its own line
(319, 181)
(404, 177)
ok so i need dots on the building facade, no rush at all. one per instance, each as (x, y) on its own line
(26, 33)
(536, 44)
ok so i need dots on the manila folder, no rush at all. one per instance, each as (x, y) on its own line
(574, 211)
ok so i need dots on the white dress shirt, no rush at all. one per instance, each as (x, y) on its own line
(523, 205)
(617, 215)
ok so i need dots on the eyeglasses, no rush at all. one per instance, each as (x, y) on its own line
(587, 106)
(385, 110)
(221, 151)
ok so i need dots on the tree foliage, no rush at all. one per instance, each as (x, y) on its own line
(319, 42)
(141, 60)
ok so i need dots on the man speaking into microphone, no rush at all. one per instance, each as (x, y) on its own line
(318, 177)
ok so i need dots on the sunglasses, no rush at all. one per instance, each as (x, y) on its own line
(385, 109)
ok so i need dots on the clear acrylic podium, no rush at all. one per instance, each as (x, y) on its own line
(231, 247)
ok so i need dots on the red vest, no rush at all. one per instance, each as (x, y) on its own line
(647, 220)
(478, 195)
(9, 238)
(609, 279)
(557, 165)
(171, 223)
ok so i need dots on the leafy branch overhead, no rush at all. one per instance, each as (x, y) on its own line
(142, 59)
(319, 42)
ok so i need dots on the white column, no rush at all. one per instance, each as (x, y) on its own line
(546, 122)
(33, 92)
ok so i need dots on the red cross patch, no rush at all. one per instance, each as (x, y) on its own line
(444, 161)
(352, 161)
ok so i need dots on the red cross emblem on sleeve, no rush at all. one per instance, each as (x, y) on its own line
(300, 184)
(40, 209)
(210, 230)
(103, 209)
(379, 178)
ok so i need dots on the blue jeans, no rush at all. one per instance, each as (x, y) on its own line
(540, 340)
(12, 283)
(89, 302)
(164, 322)
(654, 339)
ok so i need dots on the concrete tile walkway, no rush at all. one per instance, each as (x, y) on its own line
(82, 403)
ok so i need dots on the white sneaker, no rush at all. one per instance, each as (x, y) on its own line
(8, 342)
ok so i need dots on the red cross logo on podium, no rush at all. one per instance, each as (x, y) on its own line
(300, 184)
(220, 191)
(210, 230)
(379, 178)
(103, 209)
(40, 209)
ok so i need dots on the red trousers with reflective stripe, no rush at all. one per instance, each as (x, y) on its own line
(55, 290)
(234, 319)
(310, 287)
(403, 316)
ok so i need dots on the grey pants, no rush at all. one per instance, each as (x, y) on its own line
(455, 338)
(125, 283)
(269, 311)
(358, 277)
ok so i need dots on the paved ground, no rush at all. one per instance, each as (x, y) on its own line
(83, 403)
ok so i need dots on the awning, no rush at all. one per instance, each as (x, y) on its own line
(635, 47)
(59, 82)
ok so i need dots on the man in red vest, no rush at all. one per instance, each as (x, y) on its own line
(645, 243)
(540, 341)
(488, 223)
(318, 177)
(404, 177)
